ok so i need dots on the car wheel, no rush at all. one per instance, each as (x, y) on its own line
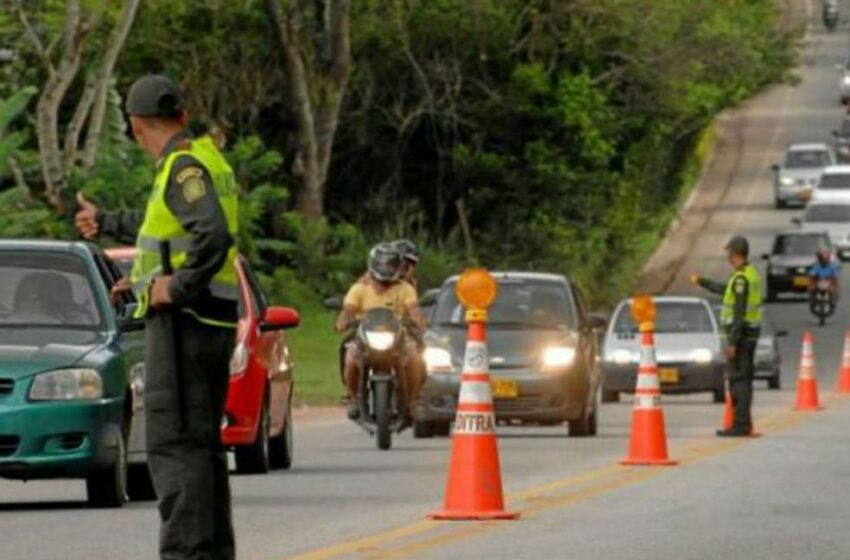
(107, 487)
(139, 484)
(254, 458)
(441, 428)
(610, 396)
(422, 429)
(719, 395)
(780, 204)
(774, 382)
(280, 447)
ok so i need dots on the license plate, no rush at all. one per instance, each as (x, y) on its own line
(503, 389)
(801, 281)
(668, 375)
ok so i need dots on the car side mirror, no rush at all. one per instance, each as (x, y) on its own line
(126, 320)
(765, 257)
(780, 334)
(597, 321)
(797, 221)
(429, 298)
(280, 318)
(775, 167)
(334, 303)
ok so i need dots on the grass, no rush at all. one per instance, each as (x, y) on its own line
(314, 349)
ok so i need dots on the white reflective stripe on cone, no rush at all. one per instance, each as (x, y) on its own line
(475, 360)
(475, 392)
(647, 381)
(647, 401)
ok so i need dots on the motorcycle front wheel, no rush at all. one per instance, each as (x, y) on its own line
(383, 405)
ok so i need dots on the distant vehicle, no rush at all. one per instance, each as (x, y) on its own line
(688, 349)
(833, 185)
(844, 82)
(69, 367)
(832, 218)
(789, 260)
(799, 171)
(842, 141)
(258, 413)
(543, 350)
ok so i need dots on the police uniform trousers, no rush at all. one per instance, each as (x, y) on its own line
(189, 467)
(740, 371)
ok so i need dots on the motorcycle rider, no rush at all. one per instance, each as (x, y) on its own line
(824, 269)
(410, 256)
(383, 287)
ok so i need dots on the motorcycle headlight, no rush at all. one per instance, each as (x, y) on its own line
(702, 356)
(437, 359)
(239, 360)
(380, 340)
(558, 357)
(67, 384)
(623, 357)
(787, 181)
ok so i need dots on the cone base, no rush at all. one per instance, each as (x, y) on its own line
(472, 515)
(808, 408)
(648, 462)
(842, 391)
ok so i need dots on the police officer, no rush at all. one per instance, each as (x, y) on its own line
(741, 318)
(190, 317)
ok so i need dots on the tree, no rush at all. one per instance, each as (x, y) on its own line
(316, 49)
(79, 24)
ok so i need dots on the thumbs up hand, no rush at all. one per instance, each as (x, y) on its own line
(86, 218)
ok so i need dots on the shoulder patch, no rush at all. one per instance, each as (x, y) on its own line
(740, 285)
(187, 173)
(193, 189)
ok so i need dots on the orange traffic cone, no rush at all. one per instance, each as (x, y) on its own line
(474, 488)
(807, 383)
(843, 386)
(648, 444)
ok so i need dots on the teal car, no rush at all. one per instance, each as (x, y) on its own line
(70, 364)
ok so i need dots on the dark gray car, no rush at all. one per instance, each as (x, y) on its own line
(542, 349)
(789, 260)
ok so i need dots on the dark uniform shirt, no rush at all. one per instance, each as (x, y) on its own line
(201, 216)
(737, 330)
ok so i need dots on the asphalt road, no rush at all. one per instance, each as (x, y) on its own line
(784, 495)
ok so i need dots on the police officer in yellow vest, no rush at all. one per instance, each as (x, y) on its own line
(741, 318)
(193, 206)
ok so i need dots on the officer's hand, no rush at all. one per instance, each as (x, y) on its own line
(160, 295)
(693, 279)
(86, 218)
(120, 287)
(730, 352)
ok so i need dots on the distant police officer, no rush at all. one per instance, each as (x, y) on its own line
(190, 317)
(741, 318)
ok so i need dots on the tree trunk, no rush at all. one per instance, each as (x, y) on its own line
(316, 83)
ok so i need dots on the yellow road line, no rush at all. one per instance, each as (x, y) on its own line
(542, 498)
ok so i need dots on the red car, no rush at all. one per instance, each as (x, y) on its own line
(258, 415)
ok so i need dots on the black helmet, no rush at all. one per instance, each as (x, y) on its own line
(385, 262)
(408, 250)
(739, 245)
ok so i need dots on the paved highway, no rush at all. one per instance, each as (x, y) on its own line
(784, 495)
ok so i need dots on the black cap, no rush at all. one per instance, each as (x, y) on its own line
(739, 245)
(154, 96)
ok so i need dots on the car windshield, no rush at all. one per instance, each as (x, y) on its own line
(798, 244)
(807, 159)
(46, 290)
(834, 181)
(520, 303)
(672, 317)
(827, 213)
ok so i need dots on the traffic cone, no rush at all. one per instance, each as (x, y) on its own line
(843, 386)
(807, 383)
(474, 488)
(648, 445)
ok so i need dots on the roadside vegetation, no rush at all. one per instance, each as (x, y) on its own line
(512, 133)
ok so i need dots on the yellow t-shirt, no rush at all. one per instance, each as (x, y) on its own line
(362, 297)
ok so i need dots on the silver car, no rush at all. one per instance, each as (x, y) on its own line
(688, 346)
(832, 218)
(799, 171)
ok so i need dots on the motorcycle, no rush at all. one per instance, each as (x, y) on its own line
(822, 304)
(383, 409)
(830, 16)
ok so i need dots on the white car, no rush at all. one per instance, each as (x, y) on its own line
(833, 185)
(799, 171)
(832, 217)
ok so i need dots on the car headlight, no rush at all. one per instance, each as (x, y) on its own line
(437, 359)
(778, 270)
(845, 81)
(702, 356)
(67, 384)
(623, 357)
(380, 340)
(239, 360)
(558, 357)
(787, 181)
